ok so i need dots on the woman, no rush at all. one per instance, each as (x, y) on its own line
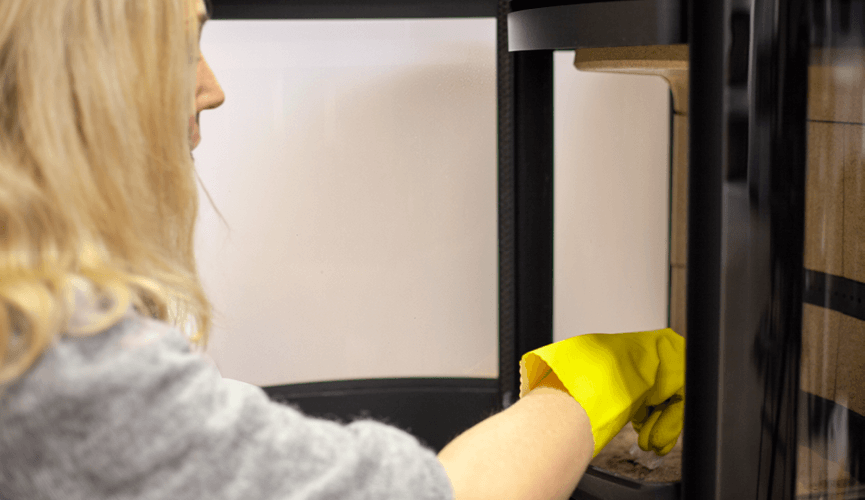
(102, 394)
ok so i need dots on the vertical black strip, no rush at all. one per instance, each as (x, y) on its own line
(779, 92)
(706, 21)
(533, 175)
(508, 375)
(525, 206)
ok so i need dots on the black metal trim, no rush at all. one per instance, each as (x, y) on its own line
(778, 94)
(618, 23)
(517, 5)
(349, 9)
(533, 179)
(600, 484)
(525, 86)
(434, 410)
(706, 124)
(508, 375)
(837, 293)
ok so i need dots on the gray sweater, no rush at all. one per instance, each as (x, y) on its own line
(133, 413)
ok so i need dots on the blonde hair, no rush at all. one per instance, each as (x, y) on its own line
(96, 175)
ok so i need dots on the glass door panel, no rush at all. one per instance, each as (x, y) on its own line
(832, 444)
(355, 164)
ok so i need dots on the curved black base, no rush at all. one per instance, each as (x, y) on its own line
(434, 410)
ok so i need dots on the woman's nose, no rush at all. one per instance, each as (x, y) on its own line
(209, 94)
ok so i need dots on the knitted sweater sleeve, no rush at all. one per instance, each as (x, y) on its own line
(133, 413)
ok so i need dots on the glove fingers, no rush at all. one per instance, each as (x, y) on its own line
(667, 428)
(646, 429)
(668, 449)
(671, 368)
(639, 418)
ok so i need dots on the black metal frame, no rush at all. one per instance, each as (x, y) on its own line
(525, 82)
(747, 120)
(350, 9)
(422, 406)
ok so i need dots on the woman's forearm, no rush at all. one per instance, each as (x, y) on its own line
(537, 449)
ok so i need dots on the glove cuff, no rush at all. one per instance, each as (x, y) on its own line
(606, 415)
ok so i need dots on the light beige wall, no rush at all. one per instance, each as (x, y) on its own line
(356, 165)
(612, 176)
(669, 62)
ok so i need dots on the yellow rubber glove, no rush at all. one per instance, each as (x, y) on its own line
(616, 378)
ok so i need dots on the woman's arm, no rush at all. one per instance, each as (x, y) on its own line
(537, 449)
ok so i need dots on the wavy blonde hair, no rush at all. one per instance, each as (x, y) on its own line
(96, 175)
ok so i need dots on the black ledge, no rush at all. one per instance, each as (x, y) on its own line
(352, 9)
(433, 409)
(620, 23)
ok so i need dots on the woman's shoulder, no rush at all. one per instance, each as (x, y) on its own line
(122, 330)
(131, 353)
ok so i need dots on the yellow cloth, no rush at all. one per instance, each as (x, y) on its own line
(636, 376)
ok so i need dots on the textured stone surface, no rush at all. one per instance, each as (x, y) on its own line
(679, 196)
(820, 335)
(854, 203)
(667, 61)
(824, 193)
(836, 83)
(815, 474)
(678, 300)
(850, 375)
(617, 457)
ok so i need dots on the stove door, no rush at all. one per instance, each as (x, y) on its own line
(748, 63)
